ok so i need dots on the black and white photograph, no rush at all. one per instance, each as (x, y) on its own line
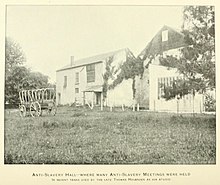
(110, 85)
(109, 92)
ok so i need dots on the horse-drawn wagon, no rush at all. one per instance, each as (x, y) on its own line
(35, 101)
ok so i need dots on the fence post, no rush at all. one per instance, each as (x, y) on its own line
(84, 98)
(193, 105)
(177, 106)
(154, 106)
(93, 95)
(101, 101)
(122, 107)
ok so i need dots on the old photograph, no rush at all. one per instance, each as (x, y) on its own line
(110, 85)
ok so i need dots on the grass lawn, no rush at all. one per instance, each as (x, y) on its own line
(83, 136)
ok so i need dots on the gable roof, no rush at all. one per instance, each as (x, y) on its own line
(93, 59)
(156, 46)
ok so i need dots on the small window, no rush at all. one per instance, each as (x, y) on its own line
(65, 82)
(77, 78)
(76, 90)
(165, 35)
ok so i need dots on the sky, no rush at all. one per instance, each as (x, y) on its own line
(50, 35)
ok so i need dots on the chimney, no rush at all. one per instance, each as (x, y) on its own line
(72, 62)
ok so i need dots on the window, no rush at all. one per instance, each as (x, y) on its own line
(76, 90)
(165, 35)
(162, 84)
(90, 70)
(169, 82)
(159, 88)
(65, 82)
(77, 78)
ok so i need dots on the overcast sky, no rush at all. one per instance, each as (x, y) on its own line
(49, 35)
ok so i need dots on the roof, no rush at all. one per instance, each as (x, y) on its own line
(92, 59)
(156, 46)
(95, 88)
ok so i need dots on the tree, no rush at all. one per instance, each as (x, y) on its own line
(21, 78)
(14, 55)
(14, 58)
(197, 61)
(17, 76)
(107, 75)
(14, 83)
(133, 66)
(35, 80)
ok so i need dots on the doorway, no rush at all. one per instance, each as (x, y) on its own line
(98, 98)
(59, 98)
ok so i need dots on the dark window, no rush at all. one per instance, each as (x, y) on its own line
(162, 83)
(165, 82)
(159, 88)
(65, 82)
(90, 70)
(76, 90)
(77, 78)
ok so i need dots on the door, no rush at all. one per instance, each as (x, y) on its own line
(98, 98)
(59, 98)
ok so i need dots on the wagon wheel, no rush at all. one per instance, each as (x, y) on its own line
(22, 110)
(35, 109)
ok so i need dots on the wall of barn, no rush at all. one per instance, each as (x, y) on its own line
(121, 94)
(156, 103)
(142, 89)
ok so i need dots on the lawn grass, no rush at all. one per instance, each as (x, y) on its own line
(83, 136)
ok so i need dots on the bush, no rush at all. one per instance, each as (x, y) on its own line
(210, 103)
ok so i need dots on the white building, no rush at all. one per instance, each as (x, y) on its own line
(167, 41)
(81, 82)
(161, 75)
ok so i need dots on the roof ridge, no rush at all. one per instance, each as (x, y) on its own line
(101, 54)
(82, 60)
(143, 53)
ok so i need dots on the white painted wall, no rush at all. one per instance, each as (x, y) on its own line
(121, 94)
(118, 60)
(68, 95)
(185, 104)
(82, 83)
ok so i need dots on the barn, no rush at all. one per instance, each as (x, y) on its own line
(150, 89)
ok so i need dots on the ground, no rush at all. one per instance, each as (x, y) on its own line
(84, 136)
